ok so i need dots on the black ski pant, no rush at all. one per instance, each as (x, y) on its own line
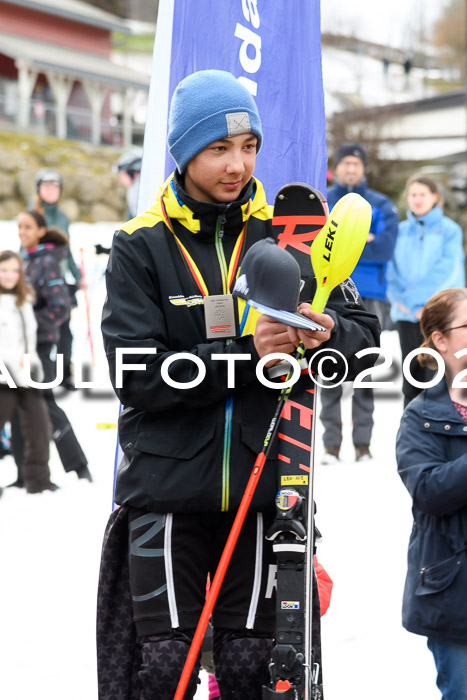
(17, 442)
(241, 661)
(64, 347)
(65, 340)
(68, 447)
(362, 401)
(150, 666)
(331, 416)
(411, 337)
(31, 411)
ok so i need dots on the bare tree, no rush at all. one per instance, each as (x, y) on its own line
(450, 35)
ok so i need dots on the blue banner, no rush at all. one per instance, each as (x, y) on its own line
(274, 49)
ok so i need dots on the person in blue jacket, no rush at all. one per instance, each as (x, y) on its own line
(428, 257)
(370, 279)
(431, 453)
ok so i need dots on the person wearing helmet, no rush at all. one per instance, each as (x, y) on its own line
(129, 169)
(49, 186)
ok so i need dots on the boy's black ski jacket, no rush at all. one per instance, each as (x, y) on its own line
(192, 450)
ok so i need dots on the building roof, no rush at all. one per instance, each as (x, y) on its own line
(77, 11)
(76, 64)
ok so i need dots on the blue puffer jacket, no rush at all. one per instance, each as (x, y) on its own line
(432, 462)
(370, 273)
(428, 258)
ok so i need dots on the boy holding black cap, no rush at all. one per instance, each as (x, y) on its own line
(350, 163)
(188, 452)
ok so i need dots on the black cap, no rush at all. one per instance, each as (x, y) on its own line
(350, 149)
(269, 280)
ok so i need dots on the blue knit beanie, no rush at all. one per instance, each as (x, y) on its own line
(207, 106)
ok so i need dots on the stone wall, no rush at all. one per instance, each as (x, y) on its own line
(91, 188)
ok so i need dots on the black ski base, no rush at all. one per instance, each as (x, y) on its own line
(295, 663)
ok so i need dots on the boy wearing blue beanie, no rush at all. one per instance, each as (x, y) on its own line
(189, 445)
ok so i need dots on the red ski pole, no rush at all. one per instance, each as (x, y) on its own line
(229, 548)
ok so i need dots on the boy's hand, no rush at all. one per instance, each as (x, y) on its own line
(272, 336)
(311, 339)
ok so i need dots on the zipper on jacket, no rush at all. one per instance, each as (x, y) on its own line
(229, 401)
(222, 220)
(220, 252)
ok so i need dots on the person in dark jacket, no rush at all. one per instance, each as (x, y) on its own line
(18, 339)
(188, 452)
(432, 462)
(44, 248)
(49, 186)
(369, 277)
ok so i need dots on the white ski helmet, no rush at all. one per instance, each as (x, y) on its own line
(48, 175)
(130, 163)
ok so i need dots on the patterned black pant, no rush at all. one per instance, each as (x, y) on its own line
(241, 662)
(149, 667)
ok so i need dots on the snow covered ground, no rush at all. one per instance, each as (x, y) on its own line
(50, 547)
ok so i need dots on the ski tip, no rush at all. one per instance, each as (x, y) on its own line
(313, 193)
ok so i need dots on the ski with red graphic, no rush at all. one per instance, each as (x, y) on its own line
(300, 212)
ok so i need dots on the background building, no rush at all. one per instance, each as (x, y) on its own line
(56, 72)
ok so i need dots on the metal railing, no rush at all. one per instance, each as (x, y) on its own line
(42, 121)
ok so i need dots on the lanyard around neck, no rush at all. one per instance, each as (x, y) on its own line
(228, 276)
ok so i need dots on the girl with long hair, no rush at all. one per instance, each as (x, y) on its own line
(18, 328)
(44, 248)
